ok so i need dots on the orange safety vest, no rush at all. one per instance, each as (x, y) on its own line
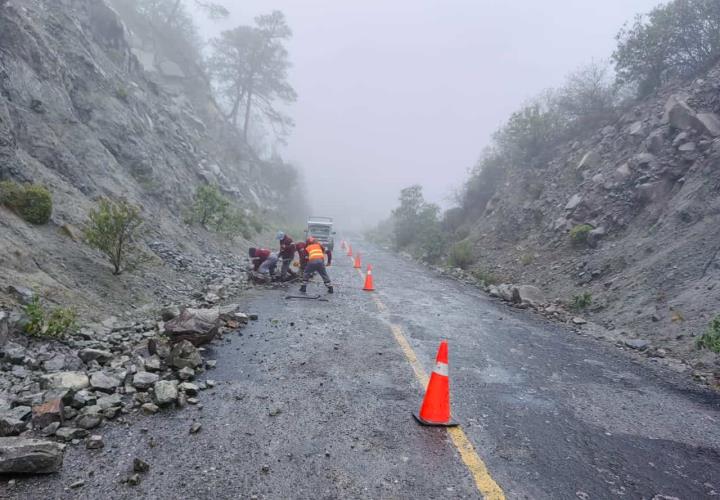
(315, 252)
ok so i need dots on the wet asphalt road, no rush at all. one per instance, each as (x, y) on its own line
(314, 401)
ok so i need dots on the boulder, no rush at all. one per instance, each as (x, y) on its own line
(169, 312)
(110, 401)
(198, 326)
(166, 392)
(47, 413)
(101, 381)
(159, 348)
(88, 355)
(574, 201)
(595, 235)
(623, 172)
(638, 344)
(88, 421)
(644, 159)
(74, 381)
(11, 425)
(70, 433)
(144, 380)
(153, 363)
(678, 114)
(531, 295)
(186, 373)
(189, 388)
(83, 398)
(508, 292)
(655, 142)
(184, 354)
(29, 456)
(708, 123)
(636, 129)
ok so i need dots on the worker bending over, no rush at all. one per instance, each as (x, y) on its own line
(315, 264)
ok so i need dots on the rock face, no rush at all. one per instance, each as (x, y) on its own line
(29, 456)
(199, 326)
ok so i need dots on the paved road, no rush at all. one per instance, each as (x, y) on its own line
(314, 401)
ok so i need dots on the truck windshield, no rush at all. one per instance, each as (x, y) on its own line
(319, 231)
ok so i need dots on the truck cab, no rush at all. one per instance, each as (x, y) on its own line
(321, 228)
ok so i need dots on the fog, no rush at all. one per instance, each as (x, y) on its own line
(409, 91)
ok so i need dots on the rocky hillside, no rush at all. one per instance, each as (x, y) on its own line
(629, 215)
(95, 104)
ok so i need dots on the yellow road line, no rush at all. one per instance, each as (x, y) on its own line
(484, 482)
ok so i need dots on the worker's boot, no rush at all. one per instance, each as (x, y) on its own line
(303, 288)
(330, 289)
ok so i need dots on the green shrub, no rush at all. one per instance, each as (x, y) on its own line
(579, 234)
(54, 324)
(32, 202)
(527, 259)
(580, 302)
(209, 206)
(233, 222)
(122, 94)
(461, 255)
(112, 228)
(711, 338)
(485, 276)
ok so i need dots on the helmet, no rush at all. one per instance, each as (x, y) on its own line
(280, 235)
(311, 240)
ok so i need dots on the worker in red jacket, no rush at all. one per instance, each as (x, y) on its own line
(302, 255)
(286, 255)
(258, 256)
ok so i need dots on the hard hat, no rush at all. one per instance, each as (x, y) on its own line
(280, 235)
(310, 240)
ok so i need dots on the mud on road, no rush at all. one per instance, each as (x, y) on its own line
(314, 400)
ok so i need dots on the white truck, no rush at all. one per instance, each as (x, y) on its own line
(321, 228)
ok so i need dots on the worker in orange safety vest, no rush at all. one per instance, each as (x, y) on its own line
(315, 264)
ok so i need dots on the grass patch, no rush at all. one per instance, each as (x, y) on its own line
(461, 255)
(32, 202)
(54, 324)
(579, 234)
(580, 302)
(485, 276)
(711, 338)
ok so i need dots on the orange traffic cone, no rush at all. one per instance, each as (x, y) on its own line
(349, 254)
(435, 409)
(369, 280)
(357, 261)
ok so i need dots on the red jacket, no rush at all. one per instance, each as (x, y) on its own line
(261, 255)
(302, 254)
(287, 248)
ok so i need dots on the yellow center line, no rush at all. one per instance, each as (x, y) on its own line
(484, 482)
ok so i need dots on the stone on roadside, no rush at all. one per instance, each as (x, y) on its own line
(74, 381)
(638, 344)
(99, 355)
(150, 408)
(50, 430)
(165, 392)
(186, 373)
(198, 326)
(134, 479)
(95, 442)
(531, 295)
(140, 465)
(579, 321)
(159, 348)
(83, 398)
(188, 388)
(11, 426)
(101, 381)
(195, 427)
(47, 413)
(144, 380)
(185, 354)
(70, 433)
(169, 312)
(88, 421)
(153, 363)
(29, 456)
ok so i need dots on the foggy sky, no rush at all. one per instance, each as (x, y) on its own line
(398, 92)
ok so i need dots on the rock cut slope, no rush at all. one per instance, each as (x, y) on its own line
(82, 113)
(648, 187)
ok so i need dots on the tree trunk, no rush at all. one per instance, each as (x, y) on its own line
(247, 116)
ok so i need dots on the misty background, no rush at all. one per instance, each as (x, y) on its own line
(409, 92)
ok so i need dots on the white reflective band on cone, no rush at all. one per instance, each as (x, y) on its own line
(441, 369)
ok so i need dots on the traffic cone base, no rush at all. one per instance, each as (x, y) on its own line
(422, 421)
